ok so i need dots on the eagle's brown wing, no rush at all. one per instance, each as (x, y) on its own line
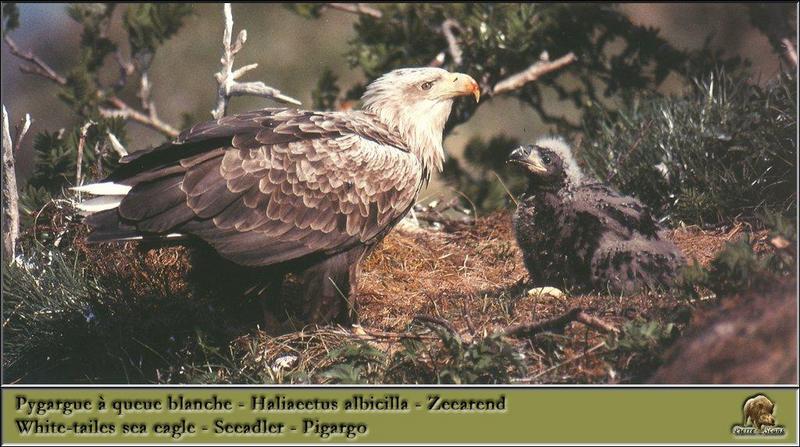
(271, 186)
(622, 214)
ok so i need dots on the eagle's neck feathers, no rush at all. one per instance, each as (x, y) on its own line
(420, 125)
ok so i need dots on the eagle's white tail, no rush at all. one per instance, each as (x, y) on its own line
(109, 196)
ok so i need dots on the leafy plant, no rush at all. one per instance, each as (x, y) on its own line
(739, 268)
(355, 363)
(638, 346)
(725, 149)
(488, 359)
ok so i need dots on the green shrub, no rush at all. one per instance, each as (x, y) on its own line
(726, 149)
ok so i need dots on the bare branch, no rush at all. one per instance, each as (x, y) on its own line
(81, 148)
(791, 53)
(226, 77)
(144, 93)
(559, 365)
(437, 61)
(439, 321)
(452, 43)
(594, 322)
(356, 8)
(533, 73)
(116, 145)
(123, 110)
(10, 197)
(126, 69)
(39, 67)
(528, 330)
(22, 130)
(260, 89)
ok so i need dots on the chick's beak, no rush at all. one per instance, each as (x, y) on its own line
(528, 157)
(463, 85)
(519, 155)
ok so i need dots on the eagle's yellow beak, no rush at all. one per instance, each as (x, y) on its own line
(463, 85)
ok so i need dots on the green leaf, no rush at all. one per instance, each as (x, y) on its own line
(150, 24)
(10, 14)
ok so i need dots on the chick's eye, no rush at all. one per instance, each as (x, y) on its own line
(426, 85)
(546, 159)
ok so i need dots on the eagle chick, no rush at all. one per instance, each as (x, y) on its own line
(576, 232)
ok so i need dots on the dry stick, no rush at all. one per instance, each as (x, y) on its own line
(81, 147)
(39, 67)
(791, 53)
(144, 94)
(21, 130)
(123, 110)
(10, 196)
(116, 145)
(532, 73)
(528, 330)
(379, 334)
(356, 8)
(569, 360)
(452, 43)
(447, 222)
(125, 69)
(437, 61)
(508, 191)
(596, 323)
(439, 321)
(226, 77)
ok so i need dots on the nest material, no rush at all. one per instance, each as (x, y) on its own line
(472, 278)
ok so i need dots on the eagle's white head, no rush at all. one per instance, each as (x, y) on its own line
(416, 102)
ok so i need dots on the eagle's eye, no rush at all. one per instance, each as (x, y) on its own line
(546, 159)
(426, 85)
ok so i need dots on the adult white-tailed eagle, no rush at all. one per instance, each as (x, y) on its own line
(293, 190)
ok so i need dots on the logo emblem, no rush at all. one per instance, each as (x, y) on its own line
(758, 418)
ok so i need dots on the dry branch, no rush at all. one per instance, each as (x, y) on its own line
(116, 145)
(356, 8)
(791, 53)
(565, 362)
(452, 43)
(437, 61)
(226, 77)
(439, 321)
(39, 67)
(533, 73)
(448, 223)
(123, 110)
(10, 196)
(126, 69)
(21, 130)
(528, 330)
(81, 147)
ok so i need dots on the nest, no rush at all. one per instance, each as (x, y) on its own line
(468, 282)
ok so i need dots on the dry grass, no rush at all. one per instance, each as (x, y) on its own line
(472, 278)
(475, 279)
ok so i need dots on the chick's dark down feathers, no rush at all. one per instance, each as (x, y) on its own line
(581, 234)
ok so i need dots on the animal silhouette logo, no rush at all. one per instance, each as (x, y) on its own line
(758, 418)
(758, 412)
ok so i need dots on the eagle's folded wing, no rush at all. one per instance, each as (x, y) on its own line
(272, 186)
